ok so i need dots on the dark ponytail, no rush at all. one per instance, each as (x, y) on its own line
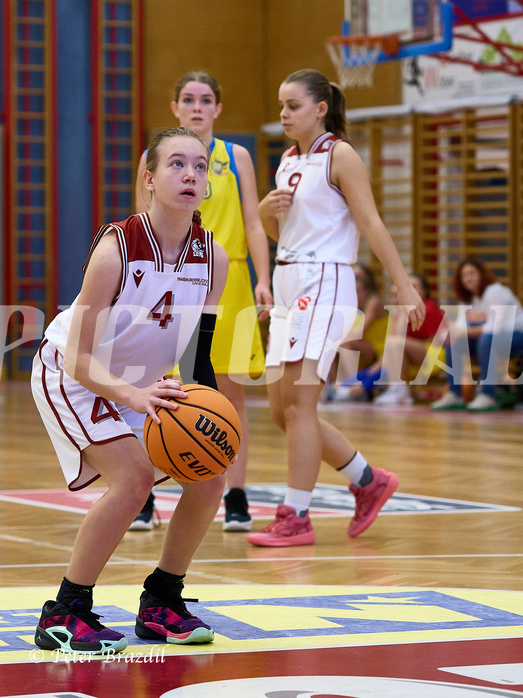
(335, 120)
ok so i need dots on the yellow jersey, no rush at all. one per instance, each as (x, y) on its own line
(221, 207)
(237, 346)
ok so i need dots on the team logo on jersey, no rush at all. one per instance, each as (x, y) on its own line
(138, 276)
(326, 145)
(197, 248)
(219, 167)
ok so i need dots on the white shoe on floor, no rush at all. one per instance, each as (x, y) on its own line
(450, 401)
(345, 393)
(483, 403)
(394, 395)
(338, 393)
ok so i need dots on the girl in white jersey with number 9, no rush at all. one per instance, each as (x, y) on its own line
(98, 373)
(322, 202)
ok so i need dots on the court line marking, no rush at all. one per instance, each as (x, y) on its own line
(510, 417)
(241, 560)
(53, 546)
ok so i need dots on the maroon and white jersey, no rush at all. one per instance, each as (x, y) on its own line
(319, 226)
(157, 307)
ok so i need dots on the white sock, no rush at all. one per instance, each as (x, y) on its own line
(299, 500)
(353, 470)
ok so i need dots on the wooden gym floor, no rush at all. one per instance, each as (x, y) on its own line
(428, 601)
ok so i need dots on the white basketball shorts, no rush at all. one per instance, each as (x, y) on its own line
(76, 418)
(315, 306)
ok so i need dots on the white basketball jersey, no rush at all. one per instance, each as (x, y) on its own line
(157, 307)
(319, 226)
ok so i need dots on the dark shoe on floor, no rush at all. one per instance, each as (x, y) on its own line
(145, 519)
(75, 628)
(237, 517)
(168, 620)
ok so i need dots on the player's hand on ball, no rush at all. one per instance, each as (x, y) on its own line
(197, 442)
(157, 395)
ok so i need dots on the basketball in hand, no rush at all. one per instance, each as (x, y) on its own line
(197, 441)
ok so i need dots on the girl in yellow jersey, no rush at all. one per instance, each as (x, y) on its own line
(230, 210)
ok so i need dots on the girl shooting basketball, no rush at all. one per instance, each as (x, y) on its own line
(98, 373)
(322, 201)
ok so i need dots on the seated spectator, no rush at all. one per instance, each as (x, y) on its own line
(489, 327)
(367, 336)
(403, 357)
(406, 351)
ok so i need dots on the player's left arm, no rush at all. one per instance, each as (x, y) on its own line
(349, 174)
(195, 364)
(254, 232)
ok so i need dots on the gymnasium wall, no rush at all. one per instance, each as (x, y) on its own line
(226, 39)
(249, 47)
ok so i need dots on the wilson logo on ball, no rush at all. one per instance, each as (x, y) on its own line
(218, 436)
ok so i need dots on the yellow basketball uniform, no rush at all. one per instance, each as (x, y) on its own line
(237, 346)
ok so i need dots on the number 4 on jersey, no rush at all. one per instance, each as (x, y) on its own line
(162, 311)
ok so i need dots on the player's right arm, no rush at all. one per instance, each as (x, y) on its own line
(276, 201)
(100, 286)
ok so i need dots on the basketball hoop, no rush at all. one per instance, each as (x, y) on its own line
(355, 57)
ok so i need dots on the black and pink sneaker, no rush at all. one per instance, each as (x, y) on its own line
(74, 627)
(169, 620)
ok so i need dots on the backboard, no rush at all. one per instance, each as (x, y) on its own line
(423, 27)
(381, 30)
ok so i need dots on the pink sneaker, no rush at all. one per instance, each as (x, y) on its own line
(286, 529)
(370, 499)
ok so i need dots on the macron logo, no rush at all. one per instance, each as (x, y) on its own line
(138, 276)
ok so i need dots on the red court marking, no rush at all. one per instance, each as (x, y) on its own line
(418, 661)
(80, 502)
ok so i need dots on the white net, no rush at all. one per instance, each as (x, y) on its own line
(354, 63)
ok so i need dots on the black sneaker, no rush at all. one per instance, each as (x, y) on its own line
(237, 517)
(169, 620)
(75, 628)
(145, 519)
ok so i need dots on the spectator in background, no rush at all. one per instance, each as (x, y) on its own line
(405, 352)
(367, 337)
(489, 326)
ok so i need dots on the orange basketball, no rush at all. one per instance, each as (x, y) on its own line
(197, 441)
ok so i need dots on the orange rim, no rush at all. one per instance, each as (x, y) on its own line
(389, 43)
